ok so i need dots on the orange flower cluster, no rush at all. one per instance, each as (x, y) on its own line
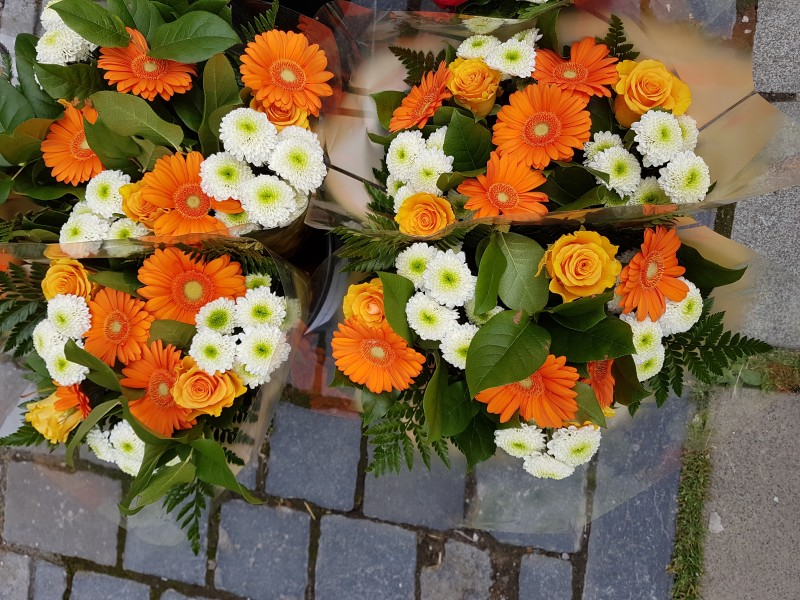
(65, 149)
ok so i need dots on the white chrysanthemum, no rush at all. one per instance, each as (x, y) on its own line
(212, 351)
(300, 205)
(427, 169)
(248, 135)
(102, 192)
(293, 132)
(513, 57)
(429, 319)
(529, 36)
(247, 378)
(651, 365)
(685, 178)
(522, 441)
(300, 162)
(267, 199)
(98, 443)
(262, 350)
(477, 46)
(574, 446)
(455, 344)
(125, 229)
(257, 280)
(50, 19)
(435, 140)
(241, 223)
(545, 466)
(483, 25)
(259, 307)
(47, 339)
(646, 334)
(81, 208)
(602, 140)
(681, 316)
(448, 279)
(128, 448)
(61, 46)
(689, 131)
(648, 192)
(218, 315)
(623, 170)
(294, 312)
(403, 194)
(403, 152)
(658, 137)
(85, 227)
(69, 315)
(393, 184)
(222, 175)
(63, 371)
(412, 262)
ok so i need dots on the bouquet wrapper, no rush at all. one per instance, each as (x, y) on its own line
(750, 146)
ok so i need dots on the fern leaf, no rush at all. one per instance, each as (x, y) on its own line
(617, 42)
(261, 23)
(26, 435)
(417, 63)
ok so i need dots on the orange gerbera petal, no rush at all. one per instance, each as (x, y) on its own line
(547, 396)
(588, 71)
(155, 372)
(65, 149)
(375, 356)
(505, 189)
(423, 100)
(601, 380)
(174, 186)
(176, 286)
(652, 276)
(133, 71)
(72, 397)
(120, 326)
(542, 123)
(281, 67)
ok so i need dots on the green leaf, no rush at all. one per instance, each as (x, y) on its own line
(73, 81)
(628, 390)
(564, 186)
(98, 412)
(123, 281)
(160, 483)
(26, 435)
(93, 22)
(597, 196)
(397, 290)
(385, 104)
(589, 408)
(212, 467)
(547, 23)
(532, 11)
(433, 400)
(477, 440)
(137, 14)
(468, 142)
(707, 274)
(192, 38)
(45, 192)
(25, 50)
(581, 167)
(602, 114)
(6, 184)
(458, 409)
(129, 115)
(152, 456)
(219, 89)
(99, 372)
(172, 332)
(506, 349)
(189, 107)
(520, 287)
(24, 145)
(583, 313)
(150, 153)
(492, 266)
(14, 108)
(114, 151)
(610, 338)
(374, 406)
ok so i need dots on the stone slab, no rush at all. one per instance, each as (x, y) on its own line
(465, 573)
(14, 575)
(363, 560)
(545, 578)
(96, 586)
(49, 581)
(18, 17)
(776, 47)
(173, 595)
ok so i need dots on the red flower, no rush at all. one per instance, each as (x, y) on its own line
(445, 4)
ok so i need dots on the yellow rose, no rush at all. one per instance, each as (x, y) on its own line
(284, 116)
(66, 276)
(59, 413)
(136, 207)
(202, 393)
(474, 85)
(365, 301)
(581, 264)
(424, 214)
(646, 85)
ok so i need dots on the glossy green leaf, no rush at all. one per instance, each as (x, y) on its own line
(589, 408)
(25, 52)
(123, 281)
(477, 440)
(193, 38)
(458, 409)
(468, 142)
(598, 196)
(385, 104)
(219, 89)
(6, 185)
(490, 271)
(433, 400)
(212, 467)
(628, 390)
(172, 332)
(374, 406)
(583, 313)
(520, 288)
(115, 151)
(99, 372)
(129, 115)
(24, 145)
(73, 81)
(14, 108)
(137, 14)
(397, 290)
(705, 273)
(98, 413)
(610, 338)
(93, 22)
(163, 480)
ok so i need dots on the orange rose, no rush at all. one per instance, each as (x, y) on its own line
(365, 301)
(202, 393)
(424, 214)
(646, 85)
(66, 276)
(283, 116)
(59, 413)
(474, 85)
(136, 207)
(581, 264)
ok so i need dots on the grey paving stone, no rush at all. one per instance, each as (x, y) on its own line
(546, 578)
(314, 456)
(173, 595)
(465, 573)
(49, 581)
(432, 498)
(73, 514)
(18, 17)
(263, 551)
(13, 386)
(14, 576)
(775, 66)
(364, 560)
(155, 544)
(96, 586)
(247, 476)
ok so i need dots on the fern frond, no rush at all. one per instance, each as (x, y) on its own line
(26, 435)
(617, 42)
(260, 23)
(192, 500)
(417, 62)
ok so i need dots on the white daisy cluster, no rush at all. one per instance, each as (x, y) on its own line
(120, 445)
(60, 45)
(516, 57)
(415, 164)
(68, 318)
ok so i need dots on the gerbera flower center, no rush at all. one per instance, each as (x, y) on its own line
(79, 148)
(191, 202)
(541, 129)
(117, 327)
(503, 196)
(159, 388)
(654, 271)
(288, 75)
(377, 352)
(191, 290)
(532, 386)
(424, 103)
(144, 67)
(572, 72)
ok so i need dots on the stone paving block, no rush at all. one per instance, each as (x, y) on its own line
(263, 551)
(362, 560)
(14, 576)
(464, 573)
(545, 578)
(49, 581)
(247, 476)
(74, 514)
(96, 586)
(18, 17)
(314, 456)
(173, 595)
(776, 46)
(421, 497)
(155, 544)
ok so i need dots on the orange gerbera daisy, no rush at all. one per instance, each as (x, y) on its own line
(176, 286)
(281, 66)
(652, 275)
(155, 372)
(547, 396)
(133, 71)
(375, 356)
(72, 397)
(542, 123)
(588, 71)
(601, 380)
(120, 326)
(423, 100)
(65, 149)
(505, 189)
(174, 186)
